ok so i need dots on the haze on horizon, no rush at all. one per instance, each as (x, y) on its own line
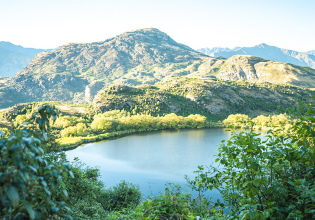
(199, 23)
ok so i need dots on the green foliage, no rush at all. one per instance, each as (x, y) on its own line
(172, 204)
(102, 124)
(83, 191)
(123, 195)
(147, 122)
(28, 180)
(262, 121)
(66, 121)
(77, 130)
(282, 121)
(267, 179)
(20, 119)
(237, 120)
(42, 116)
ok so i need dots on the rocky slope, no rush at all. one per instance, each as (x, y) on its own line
(76, 72)
(13, 58)
(267, 52)
(246, 67)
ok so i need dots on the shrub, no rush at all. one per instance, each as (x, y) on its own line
(173, 204)
(62, 122)
(27, 179)
(237, 120)
(20, 119)
(121, 196)
(72, 131)
(66, 121)
(280, 120)
(101, 124)
(262, 121)
(272, 179)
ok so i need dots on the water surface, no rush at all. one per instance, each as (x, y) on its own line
(153, 159)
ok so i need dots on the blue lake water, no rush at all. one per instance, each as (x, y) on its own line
(153, 159)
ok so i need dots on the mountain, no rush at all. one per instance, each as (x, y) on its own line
(267, 52)
(311, 52)
(77, 72)
(13, 58)
(246, 67)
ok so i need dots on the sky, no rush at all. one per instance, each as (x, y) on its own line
(47, 24)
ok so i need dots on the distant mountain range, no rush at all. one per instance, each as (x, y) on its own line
(13, 58)
(267, 52)
(77, 72)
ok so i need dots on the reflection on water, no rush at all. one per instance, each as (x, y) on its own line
(152, 159)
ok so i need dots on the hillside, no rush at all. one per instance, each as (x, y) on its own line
(13, 58)
(246, 67)
(77, 72)
(267, 52)
(214, 99)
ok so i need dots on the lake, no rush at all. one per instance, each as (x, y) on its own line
(153, 159)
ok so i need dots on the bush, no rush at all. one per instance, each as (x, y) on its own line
(280, 120)
(272, 179)
(20, 119)
(237, 120)
(262, 121)
(102, 124)
(27, 179)
(67, 121)
(173, 204)
(83, 191)
(72, 131)
(123, 195)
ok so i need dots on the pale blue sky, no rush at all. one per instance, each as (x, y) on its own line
(196, 23)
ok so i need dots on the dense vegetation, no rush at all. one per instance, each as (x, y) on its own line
(70, 131)
(267, 179)
(260, 122)
(271, 179)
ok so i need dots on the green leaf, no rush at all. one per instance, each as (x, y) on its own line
(68, 217)
(54, 209)
(71, 174)
(256, 182)
(246, 183)
(65, 192)
(29, 209)
(13, 195)
(41, 108)
(266, 214)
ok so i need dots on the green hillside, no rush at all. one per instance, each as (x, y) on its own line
(212, 98)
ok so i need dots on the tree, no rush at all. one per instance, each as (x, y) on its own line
(267, 179)
(27, 178)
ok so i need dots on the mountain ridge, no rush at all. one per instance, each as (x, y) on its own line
(13, 58)
(267, 52)
(76, 72)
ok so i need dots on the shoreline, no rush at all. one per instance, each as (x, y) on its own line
(116, 135)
